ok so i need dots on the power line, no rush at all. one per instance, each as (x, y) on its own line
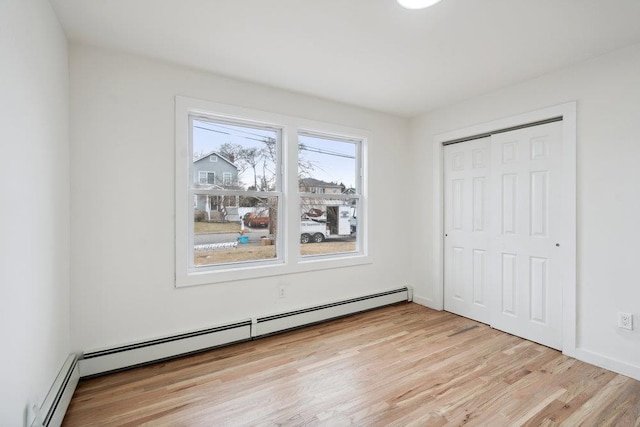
(234, 129)
(328, 152)
(230, 134)
(243, 131)
(211, 130)
(303, 147)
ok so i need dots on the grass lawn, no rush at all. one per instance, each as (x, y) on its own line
(253, 253)
(216, 227)
(327, 248)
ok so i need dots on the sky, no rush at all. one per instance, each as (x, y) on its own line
(330, 160)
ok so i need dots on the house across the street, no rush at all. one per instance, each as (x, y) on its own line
(214, 171)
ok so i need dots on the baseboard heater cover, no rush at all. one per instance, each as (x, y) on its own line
(294, 319)
(54, 406)
(128, 356)
(114, 359)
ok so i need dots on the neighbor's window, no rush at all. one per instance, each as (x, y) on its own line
(236, 189)
(226, 178)
(329, 183)
(205, 177)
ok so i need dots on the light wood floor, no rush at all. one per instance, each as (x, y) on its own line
(399, 365)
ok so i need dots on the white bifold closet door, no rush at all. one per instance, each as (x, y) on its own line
(467, 224)
(501, 256)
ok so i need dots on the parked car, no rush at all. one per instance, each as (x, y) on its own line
(255, 220)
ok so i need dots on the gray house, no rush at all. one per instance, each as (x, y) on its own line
(214, 171)
(312, 185)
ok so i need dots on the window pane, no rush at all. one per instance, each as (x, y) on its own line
(328, 226)
(326, 166)
(236, 157)
(250, 235)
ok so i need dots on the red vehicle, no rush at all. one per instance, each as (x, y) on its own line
(252, 220)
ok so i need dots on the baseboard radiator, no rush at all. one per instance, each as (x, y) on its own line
(294, 319)
(128, 356)
(52, 410)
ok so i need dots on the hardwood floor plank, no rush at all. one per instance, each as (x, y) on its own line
(401, 365)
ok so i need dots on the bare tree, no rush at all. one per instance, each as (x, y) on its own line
(252, 157)
(233, 153)
(305, 167)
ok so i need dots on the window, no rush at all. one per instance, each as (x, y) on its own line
(250, 186)
(205, 177)
(330, 193)
(279, 198)
(226, 178)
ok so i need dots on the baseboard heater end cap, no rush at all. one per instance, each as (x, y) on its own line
(409, 293)
(53, 408)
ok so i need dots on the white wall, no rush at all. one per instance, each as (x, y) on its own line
(607, 91)
(122, 203)
(34, 193)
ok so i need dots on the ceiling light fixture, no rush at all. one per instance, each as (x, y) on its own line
(417, 4)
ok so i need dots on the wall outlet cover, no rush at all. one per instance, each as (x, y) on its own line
(625, 321)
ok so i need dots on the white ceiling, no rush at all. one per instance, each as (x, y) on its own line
(370, 53)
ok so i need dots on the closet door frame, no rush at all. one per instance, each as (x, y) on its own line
(568, 238)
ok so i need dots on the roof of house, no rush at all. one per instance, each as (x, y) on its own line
(312, 182)
(218, 155)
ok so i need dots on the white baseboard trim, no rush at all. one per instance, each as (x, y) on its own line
(51, 412)
(128, 356)
(593, 358)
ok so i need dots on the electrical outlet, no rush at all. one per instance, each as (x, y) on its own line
(281, 292)
(625, 320)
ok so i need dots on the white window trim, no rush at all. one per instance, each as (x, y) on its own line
(289, 217)
(213, 158)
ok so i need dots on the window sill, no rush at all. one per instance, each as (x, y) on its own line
(304, 265)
